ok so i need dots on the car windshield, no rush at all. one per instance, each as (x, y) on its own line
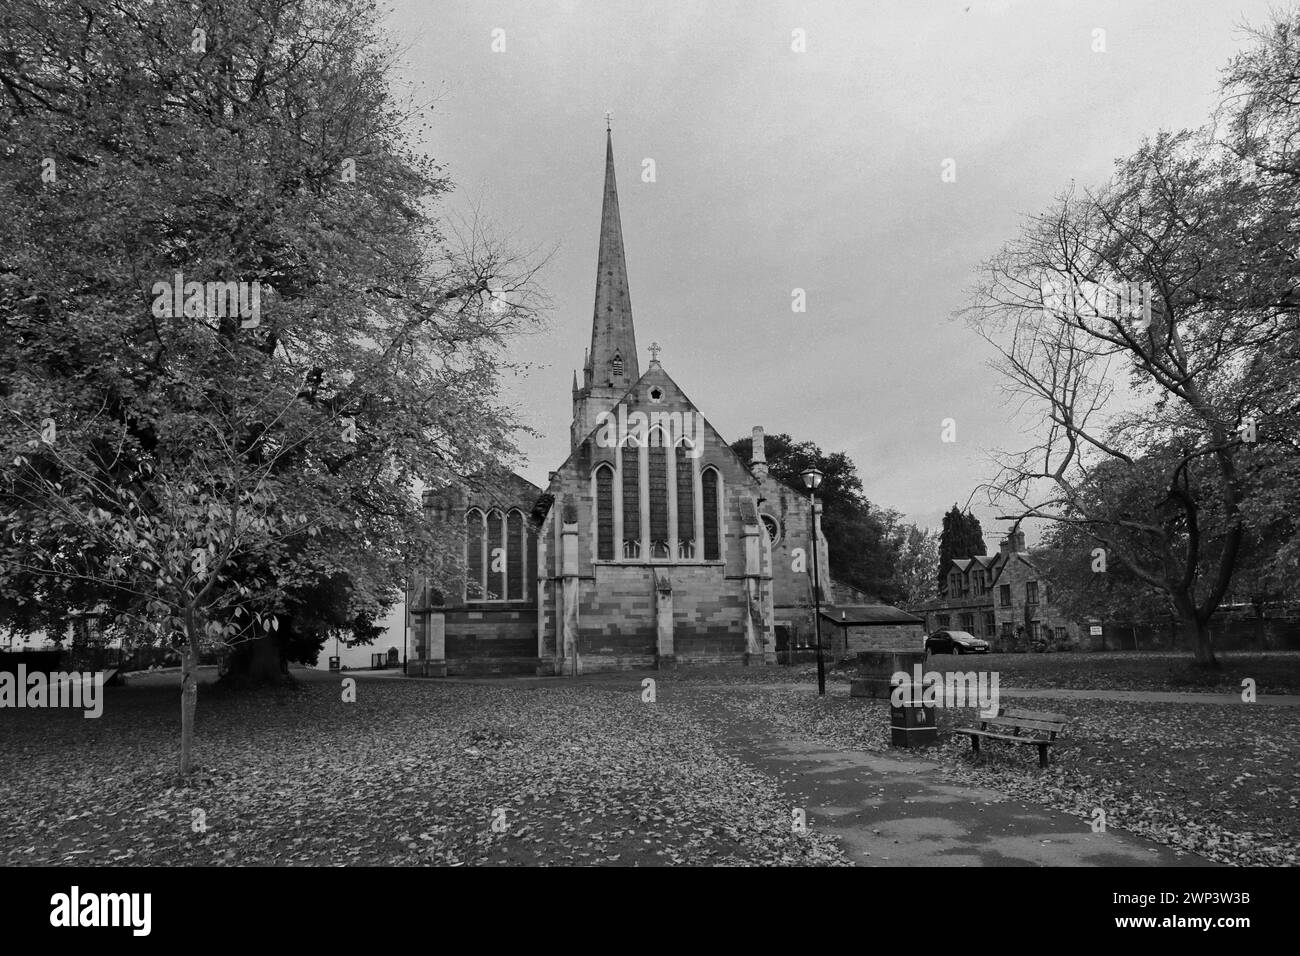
(961, 636)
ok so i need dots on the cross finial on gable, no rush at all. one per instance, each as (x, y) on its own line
(654, 351)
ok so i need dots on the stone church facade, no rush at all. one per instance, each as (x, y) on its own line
(653, 543)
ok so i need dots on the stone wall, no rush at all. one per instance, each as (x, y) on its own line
(881, 637)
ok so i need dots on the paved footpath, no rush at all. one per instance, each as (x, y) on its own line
(839, 688)
(901, 811)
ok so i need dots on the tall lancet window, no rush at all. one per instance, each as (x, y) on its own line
(496, 549)
(474, 555)
(618, 365)
(516, 562)
(710, 489)
(657, 478)
(604, 513)
(631, 499)
(685, 502)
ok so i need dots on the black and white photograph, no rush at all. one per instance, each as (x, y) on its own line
(665, 434)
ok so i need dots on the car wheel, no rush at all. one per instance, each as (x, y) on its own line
(956, 648)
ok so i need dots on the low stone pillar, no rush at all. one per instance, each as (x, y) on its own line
(876, 668)
(665, 655)
(569, 590)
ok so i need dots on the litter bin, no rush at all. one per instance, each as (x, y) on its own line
(334, 663)
(913, 725)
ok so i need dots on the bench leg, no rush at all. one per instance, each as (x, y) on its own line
(1042, 755)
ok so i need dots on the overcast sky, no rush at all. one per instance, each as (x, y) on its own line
(819, 170)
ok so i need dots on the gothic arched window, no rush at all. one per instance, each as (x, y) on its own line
(474, 543)
(631, 468)
(618, 365)
(711, 491)
(495, 589)
(604, 513)
(685, 501)
(516, 561)
(657, 452)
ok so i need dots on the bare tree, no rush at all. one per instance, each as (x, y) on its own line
(1119, 320)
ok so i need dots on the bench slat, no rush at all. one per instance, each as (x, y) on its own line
(1050, 727)
(990, 735)
(1013, 713)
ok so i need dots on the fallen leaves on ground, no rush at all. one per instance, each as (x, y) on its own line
(414, 772)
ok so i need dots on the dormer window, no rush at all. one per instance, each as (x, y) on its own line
(618, 365)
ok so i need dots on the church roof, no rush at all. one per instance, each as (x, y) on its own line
(612, 334)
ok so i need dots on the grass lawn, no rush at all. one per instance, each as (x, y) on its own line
(1274, 672)
(411, 773)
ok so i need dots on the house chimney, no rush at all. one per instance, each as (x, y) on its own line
(1013, 543)
(758, 455)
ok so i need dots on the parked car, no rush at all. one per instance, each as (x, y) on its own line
(955, 642)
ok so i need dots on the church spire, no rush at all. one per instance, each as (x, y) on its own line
(613, 358)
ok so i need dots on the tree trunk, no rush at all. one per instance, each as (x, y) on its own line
(258, 661)
(189, 703)
(1203, 647)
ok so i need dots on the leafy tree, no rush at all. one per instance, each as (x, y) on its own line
(1086, 585)
(863, 541)
(918, 554)
(961, 537)
(207, 472)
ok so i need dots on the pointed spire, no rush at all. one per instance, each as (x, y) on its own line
(613, 358)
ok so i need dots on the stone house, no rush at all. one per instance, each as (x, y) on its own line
(1002, 598)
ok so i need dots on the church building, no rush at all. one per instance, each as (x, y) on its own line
(653, 543)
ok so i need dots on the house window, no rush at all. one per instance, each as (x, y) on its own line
(968, 622)
(990, 624)
(1034, 629)
(1062, 635)
(605, 513)
(981, 582)
(1008, 631)
(1004, 595)
(944, 620)
(711, 489)
(954, 585)
(1031, 592)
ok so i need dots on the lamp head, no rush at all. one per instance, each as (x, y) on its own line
(812, 478)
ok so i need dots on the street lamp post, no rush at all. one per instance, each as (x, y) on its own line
(811, 479)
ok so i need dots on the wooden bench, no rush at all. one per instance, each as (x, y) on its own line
(1008, 724)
